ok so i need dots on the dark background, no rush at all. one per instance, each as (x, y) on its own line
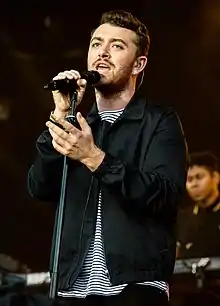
(39, 40)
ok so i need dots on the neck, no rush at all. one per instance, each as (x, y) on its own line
(114, 100)
(209, 200)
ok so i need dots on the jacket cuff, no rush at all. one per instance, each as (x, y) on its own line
(110, 167)
(105, 166)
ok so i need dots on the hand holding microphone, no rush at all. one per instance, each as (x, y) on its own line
(62, 98)
(67, 139)
(67, 81)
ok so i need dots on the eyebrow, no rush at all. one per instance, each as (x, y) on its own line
(112, 40)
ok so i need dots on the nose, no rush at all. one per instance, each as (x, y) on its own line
(104, 52)
(194, 184)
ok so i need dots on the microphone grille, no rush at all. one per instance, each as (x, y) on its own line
(92, 77)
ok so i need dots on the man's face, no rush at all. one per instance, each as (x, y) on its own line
(200, 183)
(112, 52)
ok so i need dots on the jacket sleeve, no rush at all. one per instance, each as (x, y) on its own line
(45, 175)
(161, 180)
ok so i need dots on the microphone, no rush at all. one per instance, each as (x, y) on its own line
(92, 77)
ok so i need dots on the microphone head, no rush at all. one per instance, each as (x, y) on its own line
(92, 77)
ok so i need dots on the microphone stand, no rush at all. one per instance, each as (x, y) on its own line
(59, 220)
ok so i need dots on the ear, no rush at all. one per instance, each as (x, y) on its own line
(139, 65)
(216, 177)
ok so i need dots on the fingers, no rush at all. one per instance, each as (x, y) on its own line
(70, 74)
(70, 141)
(69, 128)
(56, 139)
(83, 123)
(68, 134)
(81, 83)
(60, 132)
(61, 140)
(62, 150)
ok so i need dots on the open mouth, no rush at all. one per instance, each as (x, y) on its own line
(102, 67)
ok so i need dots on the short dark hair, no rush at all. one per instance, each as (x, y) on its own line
(126, 20)
(205, 159)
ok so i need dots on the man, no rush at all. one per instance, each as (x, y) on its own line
(203, 217)
(199, 225)
(127, 169)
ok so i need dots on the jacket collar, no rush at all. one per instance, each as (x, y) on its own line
(134, 110)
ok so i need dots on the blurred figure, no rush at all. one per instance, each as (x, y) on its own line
(199, 227)
(13, 288)
(199, 223)
(9, 264)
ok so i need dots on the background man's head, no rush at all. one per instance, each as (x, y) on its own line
(203, 176)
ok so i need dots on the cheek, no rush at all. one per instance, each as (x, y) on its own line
(90, 58)
(205, 184)
(88, 62)
(122, 59)
(124, 67)
(188, 187)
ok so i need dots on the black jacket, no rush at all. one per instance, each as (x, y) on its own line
(142, 178)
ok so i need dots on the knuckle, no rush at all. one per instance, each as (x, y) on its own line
(61, 75)
(75, 73)
(87, 133)
(78, 136)
(54, 143)
(68, 74)
(82, 83)
(63, 152)
(56, 138)
(68, 147)
(73, 141)
(66, 152)
(87, 136)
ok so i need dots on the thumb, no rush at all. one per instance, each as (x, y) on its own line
(81, 90)
(82, 83)
(82, 86)
(83, 123)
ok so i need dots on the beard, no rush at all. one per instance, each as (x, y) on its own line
(108, 89)
(114, 84)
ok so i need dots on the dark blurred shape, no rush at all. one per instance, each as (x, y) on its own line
(9, 264)
(4, 109)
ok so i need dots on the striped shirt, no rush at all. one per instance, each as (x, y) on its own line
(94, 277)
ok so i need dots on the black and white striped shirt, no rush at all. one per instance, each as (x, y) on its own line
(94, 278)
